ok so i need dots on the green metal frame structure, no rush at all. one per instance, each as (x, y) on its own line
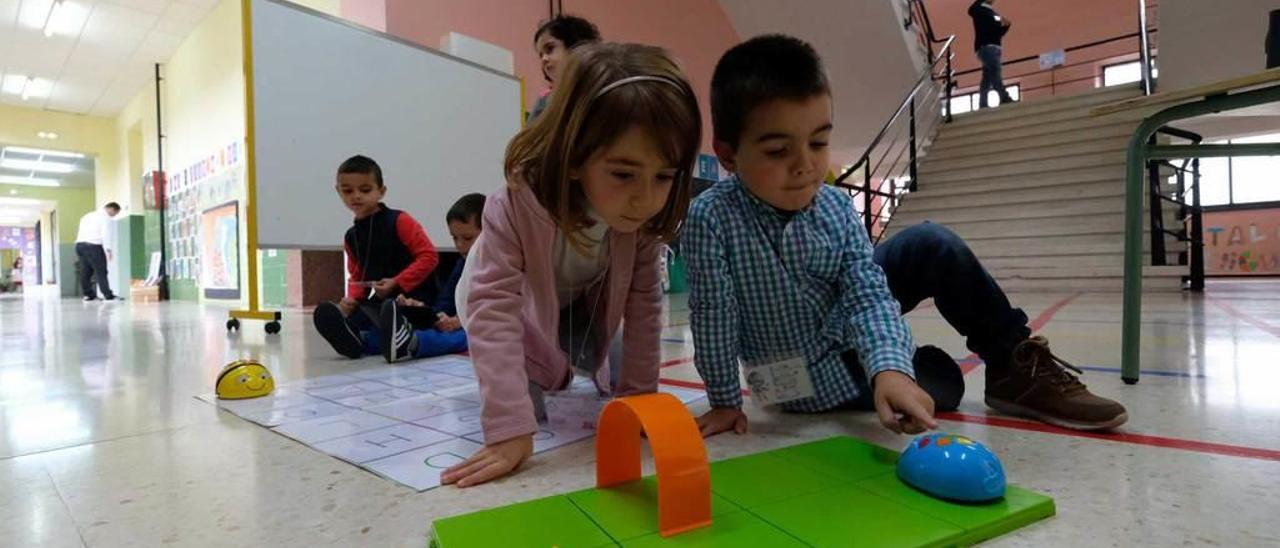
(1138, 154)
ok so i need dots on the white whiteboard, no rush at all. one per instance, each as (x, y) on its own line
(325, 89)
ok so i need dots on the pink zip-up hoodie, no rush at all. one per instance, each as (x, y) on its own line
(513, 314)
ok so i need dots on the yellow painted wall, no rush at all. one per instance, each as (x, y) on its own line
(92, 135)
(331, 7)
(203, 108)
(204, 89)
(203, 103)
(138, 156)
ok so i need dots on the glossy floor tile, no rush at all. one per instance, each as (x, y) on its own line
(102, 442)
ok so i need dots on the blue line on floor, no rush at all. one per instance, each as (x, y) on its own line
(1155, 372)
(678, 341)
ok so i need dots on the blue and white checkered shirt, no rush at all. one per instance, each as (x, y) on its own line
(768, 285)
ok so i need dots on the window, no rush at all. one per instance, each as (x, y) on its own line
(969, 101)
(1126, 73)
(1240, 180)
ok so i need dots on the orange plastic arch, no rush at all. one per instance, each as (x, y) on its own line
(684, 478)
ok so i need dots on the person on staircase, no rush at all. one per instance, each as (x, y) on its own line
(989, 29)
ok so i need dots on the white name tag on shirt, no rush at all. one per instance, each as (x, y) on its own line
(779, 381)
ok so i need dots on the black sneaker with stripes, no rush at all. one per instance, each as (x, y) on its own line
(398, 342)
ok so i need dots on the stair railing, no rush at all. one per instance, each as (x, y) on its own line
(1190, 213)
(888, 168)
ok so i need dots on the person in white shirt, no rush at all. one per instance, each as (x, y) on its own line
(91, 248)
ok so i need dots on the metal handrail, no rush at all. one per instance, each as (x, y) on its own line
(919, 14)
(908, 107)
(1189, 212)
(1102, 42)
(1144, 52)
(903, 107)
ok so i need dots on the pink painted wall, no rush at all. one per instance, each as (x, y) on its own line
(696, 32)
(370, 13)
(1039, 27)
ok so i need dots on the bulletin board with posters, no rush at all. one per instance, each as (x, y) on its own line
(25, 241)
(210, 184)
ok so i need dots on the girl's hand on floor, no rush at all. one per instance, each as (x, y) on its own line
(492, 462)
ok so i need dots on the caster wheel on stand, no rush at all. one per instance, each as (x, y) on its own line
(233, 325)
(273, 327)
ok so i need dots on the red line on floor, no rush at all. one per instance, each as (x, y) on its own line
(675, 362)
(1122, 437)
(1246, 318)
(971, 362)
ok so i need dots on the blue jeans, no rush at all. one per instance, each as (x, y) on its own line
(431, 342)
(992, 75)
(929, 261)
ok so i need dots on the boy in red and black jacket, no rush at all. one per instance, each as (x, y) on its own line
(388, 255)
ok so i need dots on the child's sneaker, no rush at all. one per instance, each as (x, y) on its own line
(398, 342)
(1041, 386)
(335, 329)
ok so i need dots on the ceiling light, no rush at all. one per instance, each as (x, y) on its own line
(44, 152)
(14, 83)
(28, 181)
(26, 86)
(47, 135)
(50, 21)
(37, 165)
(18, 201)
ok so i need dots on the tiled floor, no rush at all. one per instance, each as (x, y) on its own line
(103, 444)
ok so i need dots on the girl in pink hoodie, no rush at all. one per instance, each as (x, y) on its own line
(569, 252)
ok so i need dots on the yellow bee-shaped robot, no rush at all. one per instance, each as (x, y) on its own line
(244, 379)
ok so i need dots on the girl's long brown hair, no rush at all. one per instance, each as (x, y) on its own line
(578, 122)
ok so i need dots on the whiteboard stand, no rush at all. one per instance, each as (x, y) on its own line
(251, 207)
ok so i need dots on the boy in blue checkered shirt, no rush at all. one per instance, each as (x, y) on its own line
(785, 280)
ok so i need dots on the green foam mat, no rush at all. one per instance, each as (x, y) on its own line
(835, 492)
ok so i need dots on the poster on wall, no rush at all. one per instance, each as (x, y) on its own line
(212, 180)
(1242, 243)
(220, 250)
(24, 242)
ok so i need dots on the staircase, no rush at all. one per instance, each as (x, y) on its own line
(1037, 190)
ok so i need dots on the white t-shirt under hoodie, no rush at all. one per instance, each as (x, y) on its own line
(576, 271)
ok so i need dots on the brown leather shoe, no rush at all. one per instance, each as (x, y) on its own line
(1043, 387)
